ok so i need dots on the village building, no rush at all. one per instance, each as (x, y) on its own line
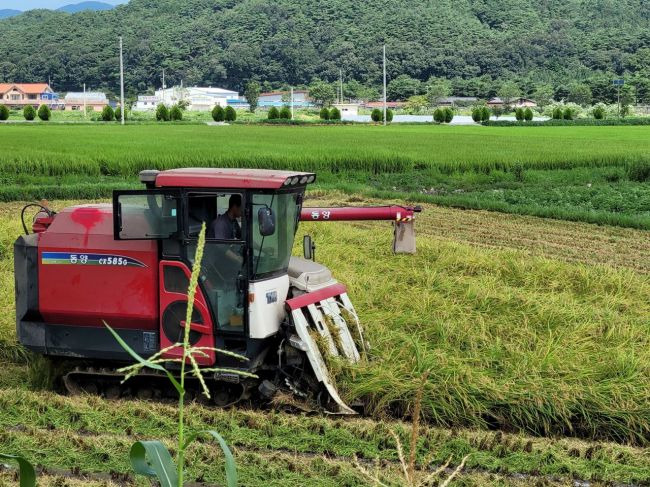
(19, 95)
(515, 102)
(348, 109)
(282, 98)
(197, 98)
(95, 100)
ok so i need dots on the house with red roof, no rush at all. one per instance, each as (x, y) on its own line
(19, 95)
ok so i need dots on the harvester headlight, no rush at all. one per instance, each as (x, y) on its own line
(295, 180)
(303, 179)
(311, 179)
(287, 182)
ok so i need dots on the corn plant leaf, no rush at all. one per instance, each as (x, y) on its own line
(151, 458)
(25, 470)
(231, 467)
(144, 361)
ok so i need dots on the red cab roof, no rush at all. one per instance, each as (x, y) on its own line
(232, 178)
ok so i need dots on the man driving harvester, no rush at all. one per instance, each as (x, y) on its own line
(226, 226)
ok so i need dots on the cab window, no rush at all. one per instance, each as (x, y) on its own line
(221, 213)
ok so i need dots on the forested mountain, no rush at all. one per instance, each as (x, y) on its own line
(80, 7)
(478, 44)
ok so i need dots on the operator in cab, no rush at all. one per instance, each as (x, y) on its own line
(226, 226)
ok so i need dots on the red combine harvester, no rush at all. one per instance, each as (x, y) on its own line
(128, 264)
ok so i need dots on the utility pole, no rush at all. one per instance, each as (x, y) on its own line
(122, 108)
(618, 94)
(384, 84)
(163, 100)
(341, 85)
(292, 103)
(85, 111)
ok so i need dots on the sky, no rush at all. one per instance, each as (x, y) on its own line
(30, 4)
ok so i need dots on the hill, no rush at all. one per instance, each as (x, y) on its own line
(475, 43)
(80, 7)
(5, 13)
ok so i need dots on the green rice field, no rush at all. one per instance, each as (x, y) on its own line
(591, 174)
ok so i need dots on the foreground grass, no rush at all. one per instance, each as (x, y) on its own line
(87, 434)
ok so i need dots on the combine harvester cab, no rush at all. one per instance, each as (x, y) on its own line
(129, 263)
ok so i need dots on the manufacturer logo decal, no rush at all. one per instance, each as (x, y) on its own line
(69, 258)
(271, 297)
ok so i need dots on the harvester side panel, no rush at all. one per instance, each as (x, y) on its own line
(85, 277)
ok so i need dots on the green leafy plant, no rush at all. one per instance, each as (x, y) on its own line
(151, 458)
(389, 115)
(162, 113)
(324, 113)
(230, 114)
(449, 114)
(598, 112)
(285, 113)
(476, 114)
(4, 112)
(118, 114)
(218, 114)
(44, 113)
(273, 114)
(528, 114)
(335, 114)
(377, 115)
(519, 114)
(176, 114)
(29, 112)
(438, 115)
(108, 114)
(568, 114)
(485, 114)
(26, 472)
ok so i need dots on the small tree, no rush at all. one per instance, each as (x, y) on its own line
(376, 115)
(162, 114)
(528, 114)
(252, 94)
(231, 114)
(557, 113)
(324, 113)
(274, 114)
(497, 111)
(118, 114)
(44, 113)
(322, 93)
(29, 112)
(218, 113)
(438, 115)
(335, 114)
(176, 114)
(485, 114)
(108, 114)
(519, 114)
(4, 112)
(476, 114)
(598, 111)
(389, 115)
(449, 114)
(285, 113)
(568, 113)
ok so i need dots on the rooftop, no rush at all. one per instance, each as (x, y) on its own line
(232, 178)
(28, 88)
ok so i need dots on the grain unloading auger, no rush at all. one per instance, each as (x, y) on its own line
(129, 264)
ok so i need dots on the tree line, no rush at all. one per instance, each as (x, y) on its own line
(567, 50)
